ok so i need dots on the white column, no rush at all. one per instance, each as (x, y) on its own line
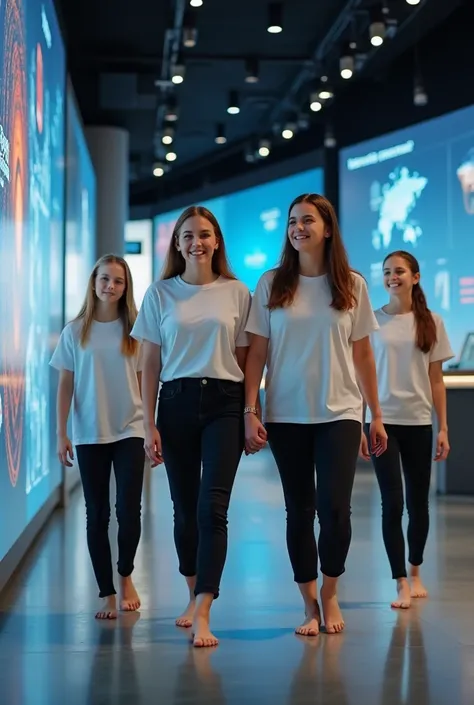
(109, 152)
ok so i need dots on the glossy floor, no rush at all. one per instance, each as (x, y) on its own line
(52, 651)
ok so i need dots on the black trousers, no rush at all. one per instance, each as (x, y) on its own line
(95, 464)
(414, 446)
(202, 432)
(333, 447)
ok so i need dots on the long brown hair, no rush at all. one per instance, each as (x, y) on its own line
(126, 306)
(175, 263)
(426, 335)
(339, 274)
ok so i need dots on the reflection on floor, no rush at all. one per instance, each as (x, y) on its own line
(52, 652)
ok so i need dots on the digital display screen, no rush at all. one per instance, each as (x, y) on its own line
(32, 86)
(414, 190)
(80, 211)
(253, 222)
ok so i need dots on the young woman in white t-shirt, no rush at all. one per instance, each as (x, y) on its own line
(310, 322)
(192, 324)
(99, 364)
(410, 347)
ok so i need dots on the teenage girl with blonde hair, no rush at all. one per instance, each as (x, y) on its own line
(100, 375)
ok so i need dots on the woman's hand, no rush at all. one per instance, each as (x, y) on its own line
(255, 434)
(378, 437)
(442, 446)
(364, 452)
(64, 449)
(152, 446)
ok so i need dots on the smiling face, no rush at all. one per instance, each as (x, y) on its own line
(197, 241)
(398, 277)
(307, 231)
(110, 283)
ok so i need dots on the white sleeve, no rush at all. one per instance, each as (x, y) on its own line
(364, 321)
(441, 350)
(259, 317)
(242, 338)
(63, 356)
(147, 327)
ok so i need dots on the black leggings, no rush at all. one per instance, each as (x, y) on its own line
(334, 448)
(95, 464)
(414, 445)
(201, 424)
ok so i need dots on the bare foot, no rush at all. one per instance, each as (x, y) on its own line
(202, 636)
(333, 620)
(403, 600)
(109, 610)
(186, 619)
(417, 587)
(130, 600)
(312, 623)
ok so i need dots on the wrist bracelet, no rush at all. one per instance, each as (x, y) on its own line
(250, 410)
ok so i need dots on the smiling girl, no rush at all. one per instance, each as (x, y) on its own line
(410, 347)
(310, 323)
(99, 365)
(192, 324)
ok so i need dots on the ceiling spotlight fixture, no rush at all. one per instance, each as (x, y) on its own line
(420, 96)
(346, 66)
(251, 70)
(168, 135)
(314, 103)
(288, 131)
(190, 35)
(233, 108)
(171, 110)
(171, 156)
(275, 18)
(413, 2)
(326, 93)
(220, 134)
(377, 33)
(264, 148)
(329, 138)
(178, 73)
(196, 3)
(158, 170)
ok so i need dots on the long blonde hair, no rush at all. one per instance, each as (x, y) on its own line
(175, 263)
(126, 306)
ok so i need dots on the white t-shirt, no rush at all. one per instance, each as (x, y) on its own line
(197, 326)
(107, 405)
(310, 371)
(402, 368)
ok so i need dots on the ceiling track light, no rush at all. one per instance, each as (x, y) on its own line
(171, 156)
(178, 73)
(347, 66)
(275, 18)
(377, 32)
(289, 130)
(196, 3)
(251, 70)
(413, 2)
(233, 107)
(190, 37)
(168, 135)
(329, 138)
(158, 170)
(315, 103)
(220, 137)
(264, 148)
(171, 110)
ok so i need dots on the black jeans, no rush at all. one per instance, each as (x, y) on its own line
(202, 433)
(414, 445)
(95, 464)
(333, 447)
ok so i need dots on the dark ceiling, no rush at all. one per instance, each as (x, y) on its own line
(122, 55)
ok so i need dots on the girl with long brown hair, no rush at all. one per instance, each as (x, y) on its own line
(100, 375)
(192, 324)
(310, 322)
(410, 347)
